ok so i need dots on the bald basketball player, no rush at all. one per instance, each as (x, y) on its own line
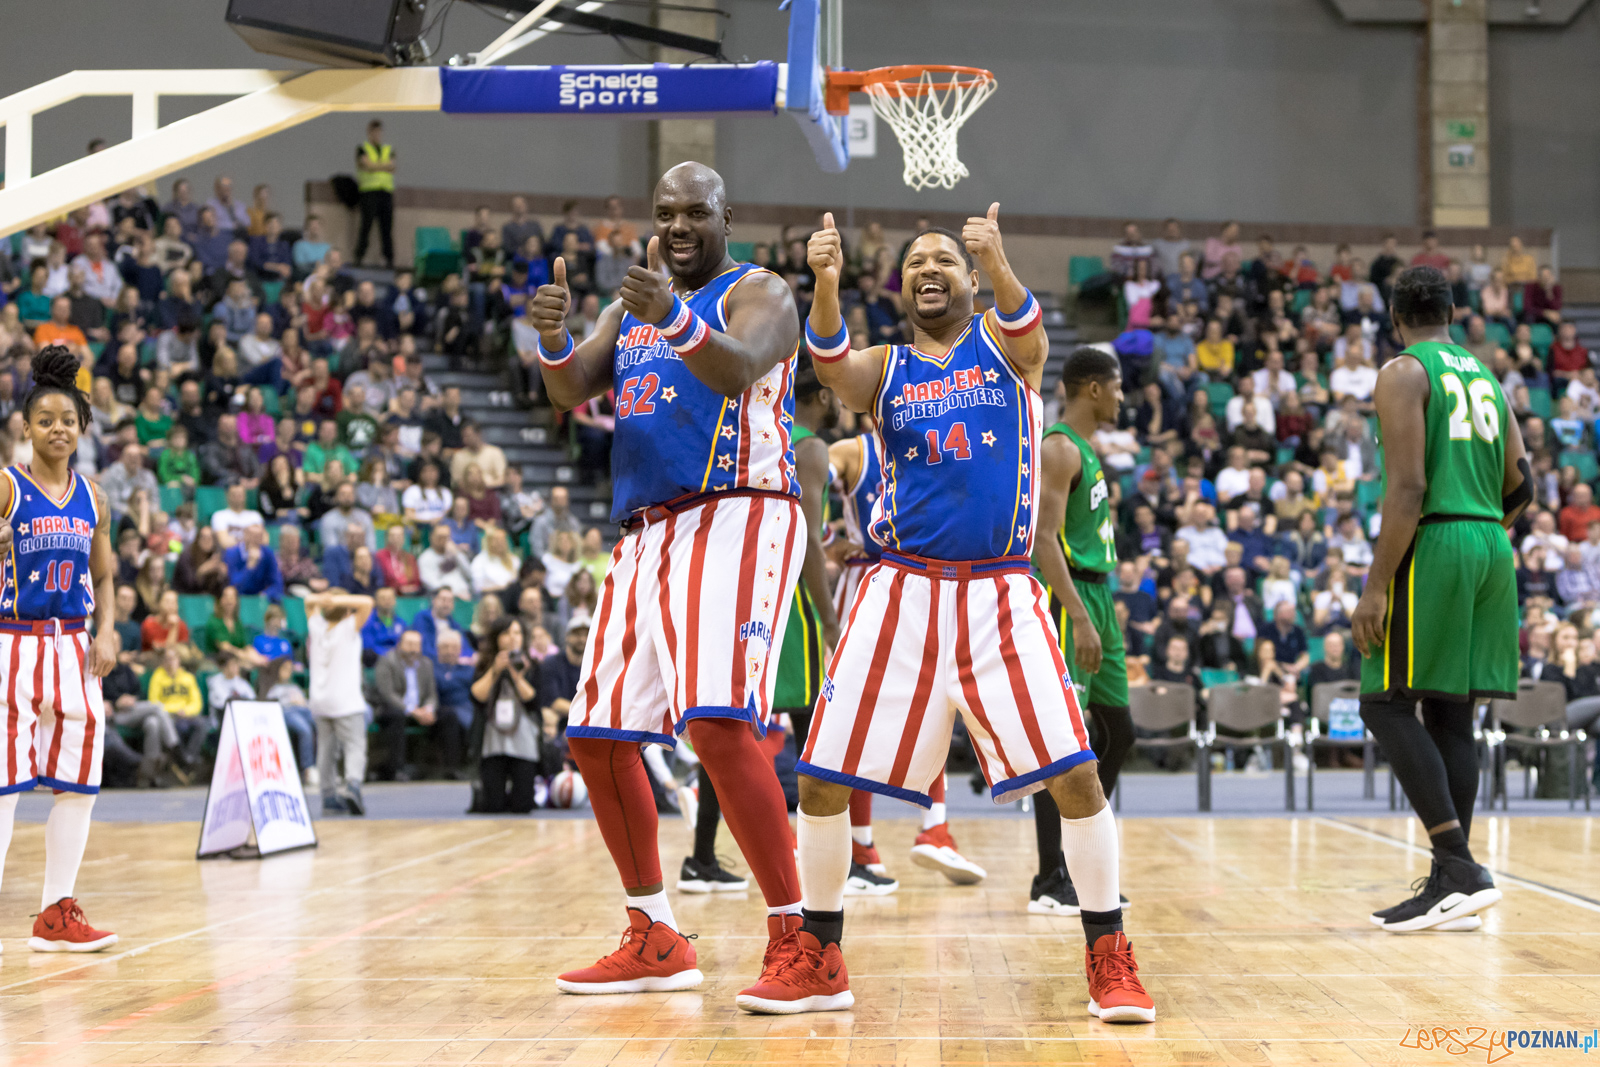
(701, 353)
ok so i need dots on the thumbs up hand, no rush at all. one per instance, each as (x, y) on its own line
(547, 311)
(982, 236)
(825, 253)
(646, 293)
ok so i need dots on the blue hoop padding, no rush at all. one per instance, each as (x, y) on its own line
(649, 90)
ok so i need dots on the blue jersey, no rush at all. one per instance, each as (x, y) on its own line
(960, 442)
(860, 500)
(46, 576)
(676, 437)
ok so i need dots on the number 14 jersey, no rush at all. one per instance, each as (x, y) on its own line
(960, 444)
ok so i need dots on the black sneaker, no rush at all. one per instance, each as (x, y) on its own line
(332, 805)
(697, 877)
(1456, 889)
(1417, 888)
(864, 883)
(1053, 894)
(353, 802)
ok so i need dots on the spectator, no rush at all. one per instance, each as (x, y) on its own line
(444, 565)
(228, 460)
(364, 578)
(570, 224)
(1541, 299)
(59, 330)
(1567, 354)
(225, 634)
(383, 628)
(1579, 514)
(333, 623)
(1259, 407)
(427, 502)
(1354, 377)
(182, 205)
(1384, 264)
(489, 458)
(301, 576)
(125, 477)
(617, 255)
(200, 568)
(437, 620)
(1546, 536)
(230, 213)
(227, 684)
(178, 693)
(558, 516)
(614, 224)
(397, 566)
(405, 692)
(1430, 256)
(310, 249)
(1206, 542)
(1169, 249)
(125, 708)
(1215, 354)
(504, 692)
(453, 681)
(1577, 584)
(1518, 265)
(1495, 300)
(1218, 248)
(326, 449)
(345, 514)
(253, 566)
(101, 279)
(277, 683)
(516, 230)
(269, 255)
(1129, 252)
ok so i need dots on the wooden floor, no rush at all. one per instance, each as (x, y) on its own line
(414, 942)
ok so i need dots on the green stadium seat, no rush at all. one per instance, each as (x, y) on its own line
(171, 497)
(1219, 393)
(253, 612)
(1081, 268)
(1302, 300)
(1458, 333)
(294, 610)
(463, 613)
(1542, 337)
(409, 607)
(1210, 677)
(269, 402)
(1588, 468)
(272, 537)
(1314, 646)
(195, 611)
(436, 253)
(208, 500)
(1369, 494)
(1285, 455)
(1497, 332)
(1539, 401)
(1516, 301)
(270, 291)
(742, 251)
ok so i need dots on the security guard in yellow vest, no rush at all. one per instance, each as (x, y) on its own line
(375, 181)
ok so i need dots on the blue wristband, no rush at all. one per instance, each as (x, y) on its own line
(556, 359)
(1022, 320)
(828, 349)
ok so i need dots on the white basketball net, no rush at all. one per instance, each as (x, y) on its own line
(925, 115)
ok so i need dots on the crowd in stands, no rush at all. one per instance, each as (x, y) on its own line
(264, 431)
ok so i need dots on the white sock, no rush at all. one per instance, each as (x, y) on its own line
(1090, 846)
(934, 815)
(66, 833)
(786, 909)
(656, 907)
(824, 860)
(861, 835)
(8, 815)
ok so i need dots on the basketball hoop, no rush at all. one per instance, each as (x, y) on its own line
(925, 105)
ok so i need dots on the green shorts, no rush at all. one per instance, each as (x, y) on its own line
(1107, 687)
(1451, 631)
(800, 663)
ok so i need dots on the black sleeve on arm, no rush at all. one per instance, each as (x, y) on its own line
(1522, 495)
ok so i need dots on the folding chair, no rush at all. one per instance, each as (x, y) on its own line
(1158, 708)
(1322, 698)
(1245, 707)
(1540, 709)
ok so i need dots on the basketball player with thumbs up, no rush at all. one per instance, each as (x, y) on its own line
(701, 353)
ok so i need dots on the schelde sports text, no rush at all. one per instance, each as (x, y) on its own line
(607, 90)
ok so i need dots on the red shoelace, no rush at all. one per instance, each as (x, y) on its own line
(1117, 969)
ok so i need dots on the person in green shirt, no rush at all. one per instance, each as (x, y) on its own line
(328, 446)
(358, 430)
(151, 418)
(178, 464)
(224, 633)
(33, 306)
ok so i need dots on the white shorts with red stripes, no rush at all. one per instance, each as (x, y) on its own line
(917, 651)
(55, 727)
(844, 592)
(690, 619)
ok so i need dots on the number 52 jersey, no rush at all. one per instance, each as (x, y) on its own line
(960, 443)
(677, 438)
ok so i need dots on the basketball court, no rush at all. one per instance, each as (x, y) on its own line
(413, 941)
(436, 940)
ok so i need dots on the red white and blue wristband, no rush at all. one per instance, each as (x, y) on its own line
(556, 359)
(827, 349)
(685, 331)
(1023, 320)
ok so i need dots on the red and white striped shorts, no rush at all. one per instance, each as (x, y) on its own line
(690, 618)
(844, 592)
(55, 728)
(918, 650)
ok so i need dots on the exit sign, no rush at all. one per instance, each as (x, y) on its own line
(1462, 129)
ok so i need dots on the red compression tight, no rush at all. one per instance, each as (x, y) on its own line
(936, 790)
(752, 803)
(623, 804)
(861, 808)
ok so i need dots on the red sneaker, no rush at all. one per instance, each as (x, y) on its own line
(651, 958)
(62, 928)
(935, 849)
(1115, 992)
(867, 856)
(783, 941)
(812, 978)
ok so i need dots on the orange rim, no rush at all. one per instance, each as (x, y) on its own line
(907, 80)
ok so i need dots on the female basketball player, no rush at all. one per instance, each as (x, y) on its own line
(56, 570)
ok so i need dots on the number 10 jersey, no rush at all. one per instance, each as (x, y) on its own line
(959, 436)
(46, 575)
